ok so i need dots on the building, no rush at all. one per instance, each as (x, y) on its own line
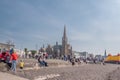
(64, 50)
(76, 54)
(6, 46)
(59, 50)
(49, 50)
(99, 57)
(82, 55)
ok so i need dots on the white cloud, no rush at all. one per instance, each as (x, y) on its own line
(96, 23)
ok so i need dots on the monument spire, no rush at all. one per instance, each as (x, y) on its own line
(105, 54)
(64, 42)
(64, 35)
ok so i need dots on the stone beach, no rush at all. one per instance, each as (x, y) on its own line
(69, 72)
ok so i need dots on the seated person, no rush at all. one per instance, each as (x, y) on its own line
(3, 56)
(42, 61)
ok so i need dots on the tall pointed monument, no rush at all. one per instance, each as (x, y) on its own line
(105, 54)
(65, 46)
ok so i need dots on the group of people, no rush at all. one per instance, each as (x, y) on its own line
(93, 61)
(9, 57)
(41, 60)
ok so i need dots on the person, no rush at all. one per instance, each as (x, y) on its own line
(42, 61)
(73, 61)
(3, 56)
(79, 62)
(14, 58)
(46, 56)
(21, 64)
(103, 62)
(8, 61)
(94, 60)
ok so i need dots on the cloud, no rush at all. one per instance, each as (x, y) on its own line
(91, 25)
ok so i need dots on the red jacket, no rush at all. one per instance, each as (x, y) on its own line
(4, 55)
(0, 55)
(14, 56)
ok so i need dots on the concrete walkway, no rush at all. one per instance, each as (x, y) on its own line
(6, 76)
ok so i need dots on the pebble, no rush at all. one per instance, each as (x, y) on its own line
(85, 72)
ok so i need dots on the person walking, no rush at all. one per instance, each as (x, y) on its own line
(14, 58)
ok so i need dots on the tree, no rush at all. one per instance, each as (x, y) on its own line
(33, 52)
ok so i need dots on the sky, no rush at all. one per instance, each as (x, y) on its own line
(92, 25)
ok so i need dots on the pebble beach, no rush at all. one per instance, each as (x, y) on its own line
(79, 72)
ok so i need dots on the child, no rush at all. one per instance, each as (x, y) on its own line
(21, 64)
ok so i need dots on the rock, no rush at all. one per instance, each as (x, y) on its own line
(3, 67)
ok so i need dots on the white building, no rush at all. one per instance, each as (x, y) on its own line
(6, 46)
(80, 54)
